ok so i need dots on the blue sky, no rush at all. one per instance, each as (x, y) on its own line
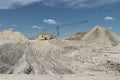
(32, 17)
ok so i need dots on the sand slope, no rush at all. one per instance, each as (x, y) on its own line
(97, 36)
(8, 35)
(82, 59)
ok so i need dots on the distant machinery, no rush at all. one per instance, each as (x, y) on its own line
(45, 36)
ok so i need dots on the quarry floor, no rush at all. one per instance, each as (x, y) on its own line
(61, 77)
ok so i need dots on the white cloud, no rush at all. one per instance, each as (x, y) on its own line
(109, 18)
(8, 4)
(14, 25)
(0, 24)
(78, 3)
(11, 29)
(36, 27)
(49, 21)
(110, 28)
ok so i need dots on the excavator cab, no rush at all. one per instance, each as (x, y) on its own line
(45, 36)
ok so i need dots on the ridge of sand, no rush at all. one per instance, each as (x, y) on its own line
(8, 35)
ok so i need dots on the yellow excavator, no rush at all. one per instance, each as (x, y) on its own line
(48, 36)
(45, 36)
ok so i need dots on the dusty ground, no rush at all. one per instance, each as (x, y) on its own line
(61, 77)
(45, 60)
(95, 57)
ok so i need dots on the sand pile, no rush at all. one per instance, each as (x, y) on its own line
(59, 56)
(77, 36)
(98, 36)
(8, 35)
(31, 58)
(46, 57)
